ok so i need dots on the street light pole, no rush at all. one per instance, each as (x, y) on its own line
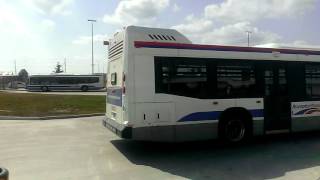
(249, 32)
(92, 59)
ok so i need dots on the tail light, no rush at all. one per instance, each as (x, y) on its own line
(123, 83)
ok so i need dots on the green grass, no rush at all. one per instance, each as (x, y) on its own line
(12, 104)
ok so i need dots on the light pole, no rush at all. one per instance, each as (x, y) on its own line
(92, 21)
(249, 32)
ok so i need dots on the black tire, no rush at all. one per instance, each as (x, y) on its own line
(84, 88)
(234, 129)
(4, 173)
(44, 89)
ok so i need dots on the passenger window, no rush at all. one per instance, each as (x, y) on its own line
(235, 81)
(182, 77)
(113, 78)
(312, 79)
(268, 81)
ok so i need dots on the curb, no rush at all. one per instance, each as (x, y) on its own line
(49, 117)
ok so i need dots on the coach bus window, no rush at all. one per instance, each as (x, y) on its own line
(268, 80)
(113, 78)
(182, 77)
(312, 79)
(235, 81)
(282, 82)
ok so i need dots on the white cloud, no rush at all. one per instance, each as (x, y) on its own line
(138, 12)
(231, 34)
(83, 40)
(296, 44)
(252, 10)
(10, 22)
(194, 25)
(48, 24)
(52, 7)
(176, 8)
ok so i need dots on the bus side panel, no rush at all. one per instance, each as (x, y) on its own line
(256, 108)
(114, 108)
(202, 121)
(305, 116)
(144, 79)
(154, 122)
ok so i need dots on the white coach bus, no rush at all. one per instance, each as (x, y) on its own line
(161, 87)
(66, 82)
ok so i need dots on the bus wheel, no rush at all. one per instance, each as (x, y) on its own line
(84, 88)
(235, 128)
(44, 89)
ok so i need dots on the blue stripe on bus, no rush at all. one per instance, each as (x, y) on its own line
(214, 115)
(114, 96)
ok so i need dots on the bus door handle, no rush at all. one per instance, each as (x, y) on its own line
(215, 103)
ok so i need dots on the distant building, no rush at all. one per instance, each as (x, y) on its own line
(8, 81)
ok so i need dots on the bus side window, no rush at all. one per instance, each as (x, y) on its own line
(113, 78)
(312, 79)
(180, 76)
(235, 80)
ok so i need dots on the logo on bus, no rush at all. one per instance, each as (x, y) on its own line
(300, 109)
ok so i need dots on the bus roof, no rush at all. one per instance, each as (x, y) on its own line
(145, 37)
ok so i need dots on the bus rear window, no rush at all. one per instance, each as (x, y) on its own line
(113, 78)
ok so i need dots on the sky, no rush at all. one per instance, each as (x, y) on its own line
(36, 34)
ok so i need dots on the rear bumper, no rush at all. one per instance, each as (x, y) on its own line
(117, 128)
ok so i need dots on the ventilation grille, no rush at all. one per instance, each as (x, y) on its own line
(162, 37)
(116, 50)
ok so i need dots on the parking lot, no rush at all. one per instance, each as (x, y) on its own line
(82, 149)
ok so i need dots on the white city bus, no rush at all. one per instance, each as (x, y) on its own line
(66, 82)
(161, 87)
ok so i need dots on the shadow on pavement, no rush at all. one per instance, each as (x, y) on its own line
(264, 158)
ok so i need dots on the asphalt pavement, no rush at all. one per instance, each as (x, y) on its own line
(82, 149)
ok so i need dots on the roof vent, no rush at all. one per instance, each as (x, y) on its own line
(161, 37)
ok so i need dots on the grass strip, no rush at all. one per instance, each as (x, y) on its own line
(39, 105)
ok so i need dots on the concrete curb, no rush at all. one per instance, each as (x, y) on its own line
(49, 117)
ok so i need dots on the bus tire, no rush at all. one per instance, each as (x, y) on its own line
(44, 89)
(4, 174)
(84, 88)
(235, 126)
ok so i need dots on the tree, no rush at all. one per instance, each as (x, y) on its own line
(58, 68)
(23, 75)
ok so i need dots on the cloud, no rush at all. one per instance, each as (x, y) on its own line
(138, 12)
(84, 40)
(176, 8)
(52, 7)
(48, 24)
(194, 25)
(231, 34)
(10, 22)
(296, 44)
(252, 10)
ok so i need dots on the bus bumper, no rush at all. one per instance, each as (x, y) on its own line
(117, 128)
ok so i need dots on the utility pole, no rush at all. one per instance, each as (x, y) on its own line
(249, 33)
(15, 67)
(65, 65)
(92, 21)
